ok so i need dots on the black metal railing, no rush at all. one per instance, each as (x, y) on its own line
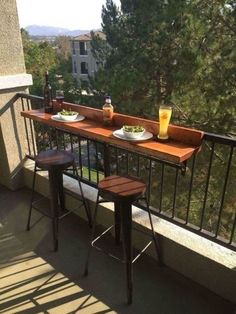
(200, 198)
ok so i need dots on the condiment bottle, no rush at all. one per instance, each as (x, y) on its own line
(47, 94)
(107, 111)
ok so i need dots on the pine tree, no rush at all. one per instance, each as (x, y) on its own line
(181, 52)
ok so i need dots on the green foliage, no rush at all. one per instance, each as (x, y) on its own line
(38, 58)
(63, 46)
(160, 51)
(43, 56)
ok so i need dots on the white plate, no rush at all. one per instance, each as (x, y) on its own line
(58, 118)
(119, 133)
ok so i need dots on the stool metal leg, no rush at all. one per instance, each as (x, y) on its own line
(86, 206)
(61, 192)
(32, 199)
(53, 183)
(92, 236)
(126, 224)
(157, 246)
(117, 223)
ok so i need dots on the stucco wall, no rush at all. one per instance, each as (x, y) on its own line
(89, 59)
(11, 52)
(12, 80)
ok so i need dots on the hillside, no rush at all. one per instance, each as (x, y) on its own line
(38, 30)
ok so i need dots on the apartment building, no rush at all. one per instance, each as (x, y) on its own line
(83, 62)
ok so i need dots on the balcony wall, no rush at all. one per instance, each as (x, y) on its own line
(13, 79)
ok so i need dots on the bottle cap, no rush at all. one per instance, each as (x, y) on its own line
(108, 99)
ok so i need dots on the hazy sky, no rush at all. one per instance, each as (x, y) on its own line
(71, 14)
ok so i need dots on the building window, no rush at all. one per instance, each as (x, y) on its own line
(82, 48)
(75, 67)
(84, 67)
(73, 47)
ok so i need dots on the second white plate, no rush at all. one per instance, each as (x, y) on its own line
(146, 136)
(57, 118)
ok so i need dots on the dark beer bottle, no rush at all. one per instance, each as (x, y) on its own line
(47, 94)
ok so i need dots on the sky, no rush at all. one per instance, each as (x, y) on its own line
(71, 14)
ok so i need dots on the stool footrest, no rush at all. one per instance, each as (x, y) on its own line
(112, 255)
(44, 212)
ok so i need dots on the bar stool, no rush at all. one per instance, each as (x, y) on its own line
(55, 162)
(123, 191)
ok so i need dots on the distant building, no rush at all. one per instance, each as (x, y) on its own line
(83, 62)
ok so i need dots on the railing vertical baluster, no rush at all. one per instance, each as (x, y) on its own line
(161, 185)
(31, 130)
(26, 127)
(22, 104)
(117, 160)
(50, 138)
(233, 230)
(62, 136)
(43, 137)
(97, 161)
(88, 158)
(207, 185)
(71, 143)
(138, 166)
(127, 162)
(190, 189)
(56, 133)
(175, 192)
(149, 181)
(224, 189)
(72, 150)
(80, 157)
(28, 104)
(106, 160)
(32, 137)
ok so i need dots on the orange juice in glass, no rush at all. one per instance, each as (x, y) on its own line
(164, 120)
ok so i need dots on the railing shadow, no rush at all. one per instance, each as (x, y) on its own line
(34, 279)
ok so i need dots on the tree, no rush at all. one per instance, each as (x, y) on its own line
(38, 58)
(163, 51)
(41, 57)
(63, 46)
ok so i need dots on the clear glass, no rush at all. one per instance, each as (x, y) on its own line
(60, 96)
(164, 120)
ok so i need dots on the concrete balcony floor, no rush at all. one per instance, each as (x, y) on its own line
(34, 279)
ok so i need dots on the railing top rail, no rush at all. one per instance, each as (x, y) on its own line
(217, 138)
(28, 96)
(221, 139)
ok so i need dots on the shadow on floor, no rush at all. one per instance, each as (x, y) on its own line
(34, 279)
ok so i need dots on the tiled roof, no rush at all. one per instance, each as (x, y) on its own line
(87, 37)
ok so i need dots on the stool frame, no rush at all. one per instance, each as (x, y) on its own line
(56, 191)
(123, 225)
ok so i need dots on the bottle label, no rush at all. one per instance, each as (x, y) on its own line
(107, 116)
(107, 113)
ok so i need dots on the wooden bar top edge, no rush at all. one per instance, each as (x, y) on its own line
(175, 150)
(179, 133)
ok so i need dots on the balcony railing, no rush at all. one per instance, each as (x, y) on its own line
(201, 199)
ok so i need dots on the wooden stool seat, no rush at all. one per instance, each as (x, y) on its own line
(118, 188)
(123, 191)
(54, 159)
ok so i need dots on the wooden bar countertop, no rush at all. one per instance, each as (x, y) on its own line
(183, 143)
